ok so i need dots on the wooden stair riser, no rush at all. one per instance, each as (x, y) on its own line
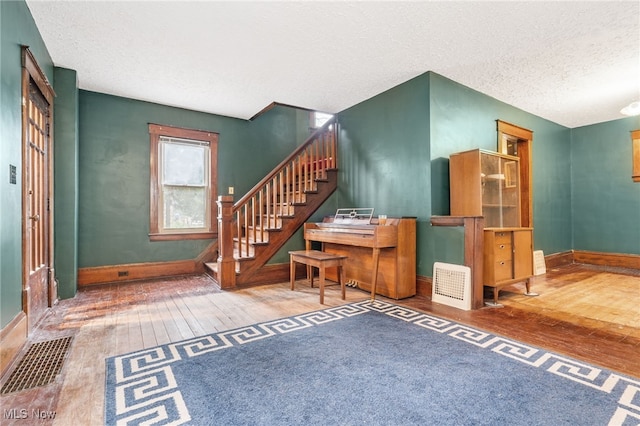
(255, 249)
(258, 238)
(258, 225)
(262, 253)
(211, 269)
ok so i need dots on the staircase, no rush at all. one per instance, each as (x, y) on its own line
(253, 229)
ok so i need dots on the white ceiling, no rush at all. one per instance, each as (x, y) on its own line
(574, 63)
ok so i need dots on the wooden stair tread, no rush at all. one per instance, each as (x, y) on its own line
(290, 193)
(213, 267)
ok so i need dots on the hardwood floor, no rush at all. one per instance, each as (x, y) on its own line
(577, 326)
(588, 313)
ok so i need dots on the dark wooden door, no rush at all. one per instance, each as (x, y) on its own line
(38, 294)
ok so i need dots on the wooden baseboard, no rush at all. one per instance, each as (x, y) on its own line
(280, 272)
(424, 286)
(619, 260)
(269, 274)
(277, 273)
(136, 271)
(12, 339)
(556, 260)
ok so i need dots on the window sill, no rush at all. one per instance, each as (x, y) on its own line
(183, 236)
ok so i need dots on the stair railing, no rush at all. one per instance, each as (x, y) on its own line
(275, 197)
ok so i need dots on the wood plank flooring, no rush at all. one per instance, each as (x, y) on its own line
(584, 312)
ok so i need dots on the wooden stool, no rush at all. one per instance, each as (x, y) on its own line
(320, 260)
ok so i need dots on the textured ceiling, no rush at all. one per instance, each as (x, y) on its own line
(574, 63)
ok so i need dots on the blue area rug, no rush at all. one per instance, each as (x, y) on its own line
(362, 364)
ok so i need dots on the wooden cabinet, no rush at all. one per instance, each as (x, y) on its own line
(508, 257)
(485, 183)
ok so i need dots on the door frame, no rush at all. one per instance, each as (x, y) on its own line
(524, 150)
(32, 71)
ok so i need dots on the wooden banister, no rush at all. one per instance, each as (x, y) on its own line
(328, 128)
(264, 207)
(226, 262)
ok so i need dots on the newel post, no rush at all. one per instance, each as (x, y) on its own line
(226, 262)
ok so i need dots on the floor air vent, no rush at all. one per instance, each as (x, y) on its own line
(39, 366)
(452, 285)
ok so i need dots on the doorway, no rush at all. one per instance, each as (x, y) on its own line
(39, 289)
(517, 141)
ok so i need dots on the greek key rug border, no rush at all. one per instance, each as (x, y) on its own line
(146, 387)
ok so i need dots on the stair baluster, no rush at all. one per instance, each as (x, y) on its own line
(267, 216)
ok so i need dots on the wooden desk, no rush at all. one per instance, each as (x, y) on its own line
(320, 260)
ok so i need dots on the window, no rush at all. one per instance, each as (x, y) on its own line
(183, 183)
(319, 118)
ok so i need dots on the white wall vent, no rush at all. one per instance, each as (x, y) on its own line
(539, 265)
(452, 285)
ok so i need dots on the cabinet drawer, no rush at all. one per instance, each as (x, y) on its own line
(503, 252)
(502, 237)
(502, 270)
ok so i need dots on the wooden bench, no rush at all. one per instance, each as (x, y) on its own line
(320, 260)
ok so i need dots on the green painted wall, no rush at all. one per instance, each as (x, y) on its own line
(66, 170)
(114, 171)
(272, 137)
(462, 119)
(384, 158)
(16, 28)
(605, 201)
(395, 151)
(303, 129)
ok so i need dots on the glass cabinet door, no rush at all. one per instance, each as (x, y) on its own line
(500, 193)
